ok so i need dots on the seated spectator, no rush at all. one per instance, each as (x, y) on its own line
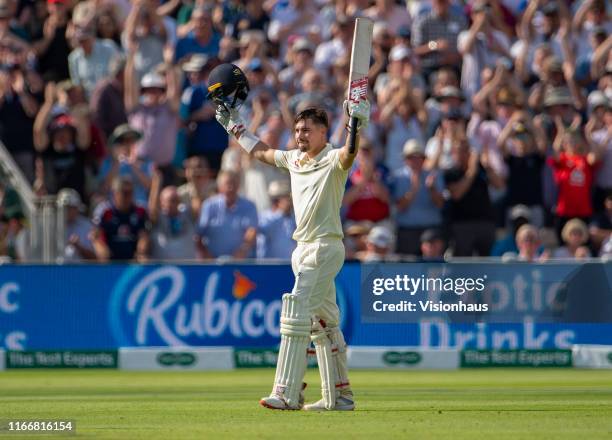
(519, 215)
(121, 226)
(433, 245)
(89, 62)
(528, 245)
(418, 199)
(124, 161)
(228, 222)
(77, 228)
(13, 228)
(199, 185)
(601, 226)
(173, 233)
(470, 210)
(379, 246)
(574, 235)
(276, 225)
(62, 142)
(355, 237)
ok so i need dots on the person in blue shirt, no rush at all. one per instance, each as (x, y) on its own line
(228, 222)
(276, 225)
(203, 136)
(418, 199)
(202, 39)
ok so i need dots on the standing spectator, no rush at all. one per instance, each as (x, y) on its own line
(228, 222)
(598, 132)
(388, 11)
(199, 185)
(439, 147)
(470, 211)
(121, 227)
(89, 62)
(53, 49)
(173, 233)
(338, 47)
(106, 103)
(601, 226)
(481, 46)
(418, 199)
(290, 17)
(203, 135)
(276, 225)
(18, 108)
(202, 38)
(62, 143)
(78, 228)
(124, 161)
(433, 245)
(300, 59)
(153, 110)
(434, 37)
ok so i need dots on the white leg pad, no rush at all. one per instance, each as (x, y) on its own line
(341, 363)
(295, 337)
(325, 359)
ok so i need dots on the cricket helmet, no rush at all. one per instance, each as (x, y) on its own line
(228, 86)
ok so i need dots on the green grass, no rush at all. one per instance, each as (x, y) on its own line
(464, 404)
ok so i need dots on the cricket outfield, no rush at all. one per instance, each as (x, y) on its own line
(471, 404)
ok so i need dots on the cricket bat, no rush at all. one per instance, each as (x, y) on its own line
(358, 75)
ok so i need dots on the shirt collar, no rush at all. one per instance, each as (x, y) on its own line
(304, 159)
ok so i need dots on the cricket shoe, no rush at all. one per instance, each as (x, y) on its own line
(277, 401)
(343, 403)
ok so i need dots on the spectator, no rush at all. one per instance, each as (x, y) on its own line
(121, 226)
(124, 161)
(276, 225)
(598, 132)
(379, 246)
(228, 222)
(433, 245)
(53, 49)
(13, 231)
(574, 235)
(204, 136)
(528, 245)
(355, 239)
(152, 109)
(18, 108)
(201, 37)
(78, 228)
(519, 215)
(601, 226)
(389, 12)
(89, 62)
(338, 47)
(418, 199)
(199, 185)
(106, 104)
(434, 37)
(470, 210)
(62, 142)
(173, 233)
(439, 147)
(300, 59)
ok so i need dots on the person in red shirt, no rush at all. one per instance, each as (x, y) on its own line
(573, 164)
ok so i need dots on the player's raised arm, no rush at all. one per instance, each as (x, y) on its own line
(361, 111)
(228, 88)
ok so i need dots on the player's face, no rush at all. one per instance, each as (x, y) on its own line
(310, 136)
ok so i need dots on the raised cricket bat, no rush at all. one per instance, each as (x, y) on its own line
(360, 65)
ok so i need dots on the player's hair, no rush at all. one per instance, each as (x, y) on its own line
(316, 115)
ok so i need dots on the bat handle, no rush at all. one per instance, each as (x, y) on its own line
(352, 135)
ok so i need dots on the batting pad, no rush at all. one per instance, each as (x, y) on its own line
(325, 359)
(295, 336)
(341, 363)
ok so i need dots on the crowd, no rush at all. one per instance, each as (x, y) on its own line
(491, 130)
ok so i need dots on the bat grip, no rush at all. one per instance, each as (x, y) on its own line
(352, 134)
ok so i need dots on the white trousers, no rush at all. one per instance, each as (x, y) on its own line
(315, 266)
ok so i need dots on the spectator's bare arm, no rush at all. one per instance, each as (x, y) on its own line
(461, 187)
(29, 104)
(250, 236)
(143, 246)
(600, 56)
(80, 114)
(156, 183)
(101, 249)
(130, 87)
(173, 89)
(41, 137)
(526, 22)
(580, 16)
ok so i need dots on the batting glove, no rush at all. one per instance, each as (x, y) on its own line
(235, 126)
(359, 110)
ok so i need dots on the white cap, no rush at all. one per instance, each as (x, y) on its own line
(412, 146)
(399, 52)
(69, 197)
(380, 236)
(153, 80)
(279, 188)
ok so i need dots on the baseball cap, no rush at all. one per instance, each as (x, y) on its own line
(411, 147)
(520, 211)
(597, 99)
(550, 8)
(122, 132)
(479, 6)
(431, 235)
(196, 63)
(279, 188)
(449, 92)
(358, 228)
(302, 44)
(69, 197)
(398, 53)
(61, 121)
(404, 31)
(504, 97)
(380, 236)
(83, 33)
(153, 80)
(255, 65)
(558, 96)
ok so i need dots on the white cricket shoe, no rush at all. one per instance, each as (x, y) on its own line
(277, 401)
(343, 403)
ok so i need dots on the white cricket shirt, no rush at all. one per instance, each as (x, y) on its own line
(317, 188)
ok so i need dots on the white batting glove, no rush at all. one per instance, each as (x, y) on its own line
(235, 126)
(359, 110)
